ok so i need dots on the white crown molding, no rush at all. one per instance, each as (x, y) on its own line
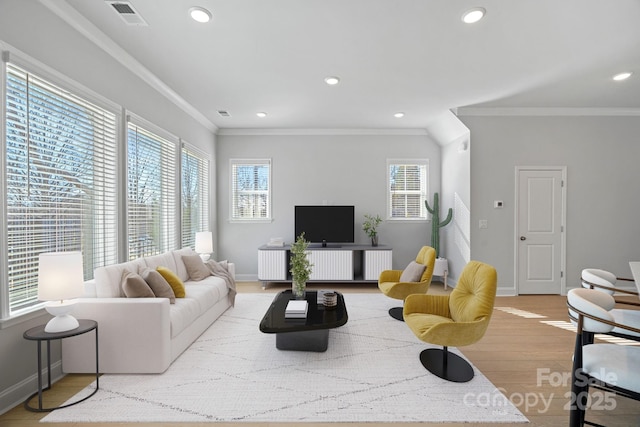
(289, 131)
(21, 59)
(100, 39)
(543, 111)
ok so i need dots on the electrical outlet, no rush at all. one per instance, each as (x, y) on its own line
(483, 223)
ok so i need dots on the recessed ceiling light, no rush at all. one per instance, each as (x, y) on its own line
(473, 15)
(261, 114)
(622, 76)
(399, 115)
(200, 14)
(332, 80)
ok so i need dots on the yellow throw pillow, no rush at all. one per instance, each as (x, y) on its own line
(174, 281)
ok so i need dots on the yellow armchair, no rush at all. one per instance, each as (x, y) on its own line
(389, 281)
(456, 320)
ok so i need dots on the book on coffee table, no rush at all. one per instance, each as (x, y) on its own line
(296, 309)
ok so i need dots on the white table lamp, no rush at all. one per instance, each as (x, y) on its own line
(204, 244)
(60, 278)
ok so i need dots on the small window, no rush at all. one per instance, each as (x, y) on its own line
(407, 188)
(250, 189)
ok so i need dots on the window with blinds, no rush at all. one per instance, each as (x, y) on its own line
(195, 193)
(407, 189)
(151, 191)
(59, 181)
(250, 189)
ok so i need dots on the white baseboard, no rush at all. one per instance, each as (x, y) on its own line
(247, 278)
(17, 393)
(506, 292)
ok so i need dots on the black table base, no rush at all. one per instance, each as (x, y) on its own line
(38, 334)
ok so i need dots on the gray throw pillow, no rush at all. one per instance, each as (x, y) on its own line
(195, 267)
(134, 286)
(412, 273)
(158, 284)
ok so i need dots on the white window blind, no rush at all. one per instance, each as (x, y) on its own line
(151, 191)
(195, 193)
(250, 189)
(407, 189)
(60, 180)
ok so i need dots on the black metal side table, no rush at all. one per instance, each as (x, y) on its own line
(38, 334)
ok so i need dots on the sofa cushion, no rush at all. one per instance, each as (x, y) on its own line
(182, 314)
(181, 270)
(108, 278)
(158, 284)
(163, 260)
(195, 267)
(134, 286)
(174, 281)
(206, 292)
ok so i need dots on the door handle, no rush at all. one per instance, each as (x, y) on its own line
(523, 238)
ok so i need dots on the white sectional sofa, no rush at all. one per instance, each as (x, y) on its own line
(143, 335)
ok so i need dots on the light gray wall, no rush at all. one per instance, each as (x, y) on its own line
(601, 155)
(49, 40)
(455, 180)
(314, 169)
(453, 136)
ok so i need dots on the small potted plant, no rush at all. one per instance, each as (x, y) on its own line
(370, 225)
(300, 266)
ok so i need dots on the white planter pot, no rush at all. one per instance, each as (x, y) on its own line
(441, 268)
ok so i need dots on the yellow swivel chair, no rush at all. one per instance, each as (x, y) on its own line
(458, 319)
(415, 279)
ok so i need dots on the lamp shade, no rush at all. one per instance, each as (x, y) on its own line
(204, 242)
(60, 276)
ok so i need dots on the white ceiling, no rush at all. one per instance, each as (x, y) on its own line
(414, 56)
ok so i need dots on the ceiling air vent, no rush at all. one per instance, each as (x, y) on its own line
(224, 113)
(129, 15)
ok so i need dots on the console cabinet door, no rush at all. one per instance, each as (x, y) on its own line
(272, 265)
(375, 262)
(331, 265)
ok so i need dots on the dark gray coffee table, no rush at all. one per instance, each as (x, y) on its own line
(310, 334)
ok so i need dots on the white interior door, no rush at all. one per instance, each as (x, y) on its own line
(540, 218)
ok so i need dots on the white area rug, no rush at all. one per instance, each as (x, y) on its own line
(371, 372)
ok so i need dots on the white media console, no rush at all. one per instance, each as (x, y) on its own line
(336, 262)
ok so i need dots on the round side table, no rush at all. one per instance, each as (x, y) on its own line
(38, 334)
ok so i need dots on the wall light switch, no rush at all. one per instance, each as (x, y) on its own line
(498, 204)
(483, 223)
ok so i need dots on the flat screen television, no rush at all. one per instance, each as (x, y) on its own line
(325, 224)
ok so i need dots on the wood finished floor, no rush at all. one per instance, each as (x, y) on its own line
(522, 356)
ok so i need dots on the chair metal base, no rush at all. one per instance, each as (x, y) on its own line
(396, 313)
(447, 366)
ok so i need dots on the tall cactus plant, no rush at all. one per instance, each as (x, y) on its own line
(435, 222)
